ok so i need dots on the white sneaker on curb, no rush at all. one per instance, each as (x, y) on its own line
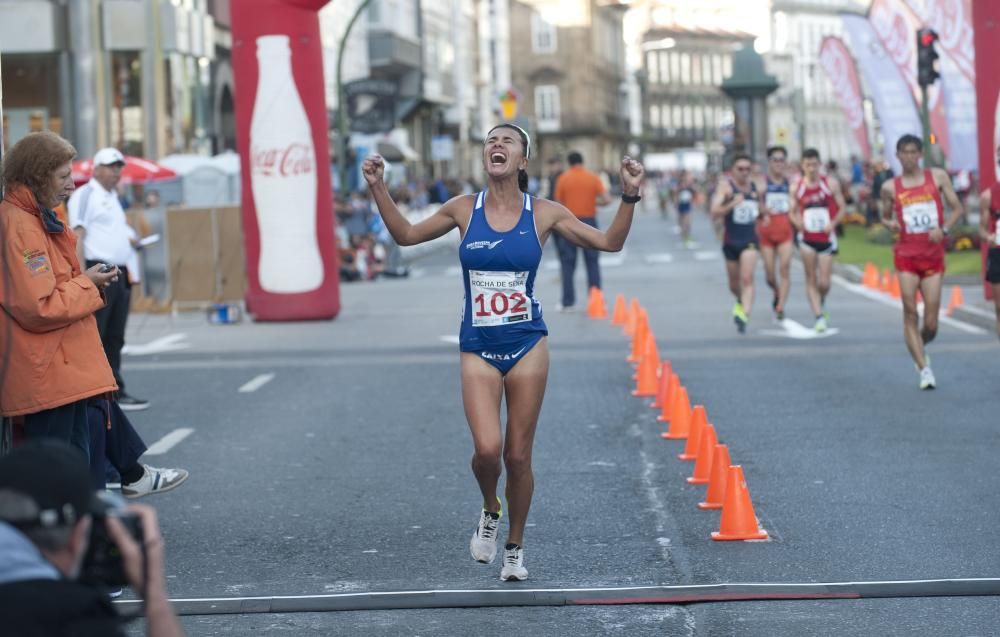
(483, 544)
(927, 379)
(154, 480)
(513, 565)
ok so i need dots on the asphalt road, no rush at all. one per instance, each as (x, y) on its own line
(347, 471)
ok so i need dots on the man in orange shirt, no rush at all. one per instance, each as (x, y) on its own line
(581, 191)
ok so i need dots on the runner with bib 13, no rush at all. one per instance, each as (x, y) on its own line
(817, 206)
(912, 206)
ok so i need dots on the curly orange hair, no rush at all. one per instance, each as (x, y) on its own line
(32, 160)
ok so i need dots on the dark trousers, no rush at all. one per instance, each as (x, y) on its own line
(567, 261)
(113, 440)
(111, 321)
(67, 423)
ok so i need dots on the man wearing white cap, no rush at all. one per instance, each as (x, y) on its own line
(104, 236)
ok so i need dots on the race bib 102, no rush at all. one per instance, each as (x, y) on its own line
(499, 298)
(816, 219)
(777, 202)
(920, 217)
(745, 212)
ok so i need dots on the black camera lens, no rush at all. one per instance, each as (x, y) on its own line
(102, 564)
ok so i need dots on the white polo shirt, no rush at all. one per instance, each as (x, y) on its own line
(99, 212)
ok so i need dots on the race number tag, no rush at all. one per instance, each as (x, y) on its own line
(816, 219)
(684, 196)
(499, 298)
(920, 217)
(745, 212)
(777, 202)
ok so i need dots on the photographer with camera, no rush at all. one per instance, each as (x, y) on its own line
(61, 546)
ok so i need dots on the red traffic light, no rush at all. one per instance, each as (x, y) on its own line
(928, 37)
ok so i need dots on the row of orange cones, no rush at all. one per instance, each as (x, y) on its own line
(888, 282)
(727, 488)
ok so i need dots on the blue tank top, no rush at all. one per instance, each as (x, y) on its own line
(776, 197)
(741, 221)
(499, 271)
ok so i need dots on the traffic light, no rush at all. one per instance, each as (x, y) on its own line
(927, 72)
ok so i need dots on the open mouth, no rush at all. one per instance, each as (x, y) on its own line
(497, 158)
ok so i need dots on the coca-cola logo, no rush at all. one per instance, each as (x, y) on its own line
(838, 66)
(294, 159)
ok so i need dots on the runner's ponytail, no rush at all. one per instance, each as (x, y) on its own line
(522, 179)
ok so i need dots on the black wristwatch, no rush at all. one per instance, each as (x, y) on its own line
(631, 198)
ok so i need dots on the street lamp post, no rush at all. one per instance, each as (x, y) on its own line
(341, 101)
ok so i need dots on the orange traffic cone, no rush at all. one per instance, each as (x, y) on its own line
(680, 417)
(648, 351)
(670, 397)
(646, 383)
(663, 383)
(738, 520)
(956, 299)
(619, 317)
(870, 278)
(716, 493)
(703, 466)
(639, 337)
(596, 308)
(894, 287)
(698, 421)
(632, 318)
(885, 283)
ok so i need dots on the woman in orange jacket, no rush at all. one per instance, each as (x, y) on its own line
(51, 358)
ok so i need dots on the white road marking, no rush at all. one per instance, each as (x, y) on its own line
(794, 330)
(977, 311)
(661, 257)
(168, 442)
(551, 264)
(706, 255)
(450, 338)
(168, 343)
(453, 270)
(611, 259)
(256, 383)
(885, 299)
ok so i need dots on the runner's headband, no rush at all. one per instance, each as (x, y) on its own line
(524, 136)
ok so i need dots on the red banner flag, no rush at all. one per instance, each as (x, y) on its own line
(843, 73)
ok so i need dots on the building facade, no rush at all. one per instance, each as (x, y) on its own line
(804, 111)
(568, 67)
(151, 77)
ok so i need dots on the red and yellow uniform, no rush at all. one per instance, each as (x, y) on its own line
(919, 211)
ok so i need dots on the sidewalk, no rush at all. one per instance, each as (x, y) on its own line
(976, 310)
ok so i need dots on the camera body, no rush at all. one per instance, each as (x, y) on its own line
(103, 565)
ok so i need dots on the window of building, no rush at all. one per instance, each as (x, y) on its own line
(695, 68)
(677, 117)
(543, 35)
(717, 68)
(685, 68)
(652, 67)
(675, 67)
(706, 70)
(688, 117)
(727, 65)
(654, 116)
(547, 107)
(664, 67)
(699, 118)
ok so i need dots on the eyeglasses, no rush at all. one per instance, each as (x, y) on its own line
(776, 159)
(742, 169)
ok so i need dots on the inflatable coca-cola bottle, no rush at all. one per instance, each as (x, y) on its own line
(283, 176)
(281, 132)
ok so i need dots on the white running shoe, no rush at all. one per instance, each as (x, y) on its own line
(513, 565)
(820, 325)
(483, 544)
(154, 480)
(927, 379)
